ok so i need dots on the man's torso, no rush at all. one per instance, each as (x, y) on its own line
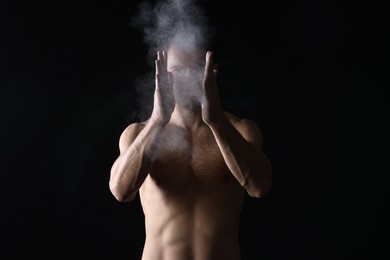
(190, 199)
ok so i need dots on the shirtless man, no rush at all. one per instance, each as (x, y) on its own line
(191, 162)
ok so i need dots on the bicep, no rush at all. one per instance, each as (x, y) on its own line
(127, 137)
(252, 133)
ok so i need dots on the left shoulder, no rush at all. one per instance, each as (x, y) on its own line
(244, 123)
(248, 128)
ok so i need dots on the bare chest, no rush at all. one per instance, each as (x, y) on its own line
(186, 161)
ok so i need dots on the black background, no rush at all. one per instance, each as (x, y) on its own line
(311, 73)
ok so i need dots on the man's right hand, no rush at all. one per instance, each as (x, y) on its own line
(164, 101)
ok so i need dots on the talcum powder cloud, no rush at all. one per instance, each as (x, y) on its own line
(163, 22)
(182, 21)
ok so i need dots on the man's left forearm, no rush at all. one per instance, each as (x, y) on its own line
(248, 163)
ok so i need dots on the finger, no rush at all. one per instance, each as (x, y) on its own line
(209, 59)
(215, 71)
(159, 55)
(164, 57)
(206, 69)
(211, 69)
(158, 67)
(158, 73)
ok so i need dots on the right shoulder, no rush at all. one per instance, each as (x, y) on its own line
(129, 134)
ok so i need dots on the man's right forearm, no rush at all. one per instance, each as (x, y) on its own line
(133, 165)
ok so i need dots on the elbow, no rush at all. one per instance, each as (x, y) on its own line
(119, 194)
(115, 191)
(118, 190)
(257, 193)
(260, 190)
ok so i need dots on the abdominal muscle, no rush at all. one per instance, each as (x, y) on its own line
(191, 202)
(197, 221)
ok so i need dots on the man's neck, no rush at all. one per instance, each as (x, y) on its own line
(187, 118)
